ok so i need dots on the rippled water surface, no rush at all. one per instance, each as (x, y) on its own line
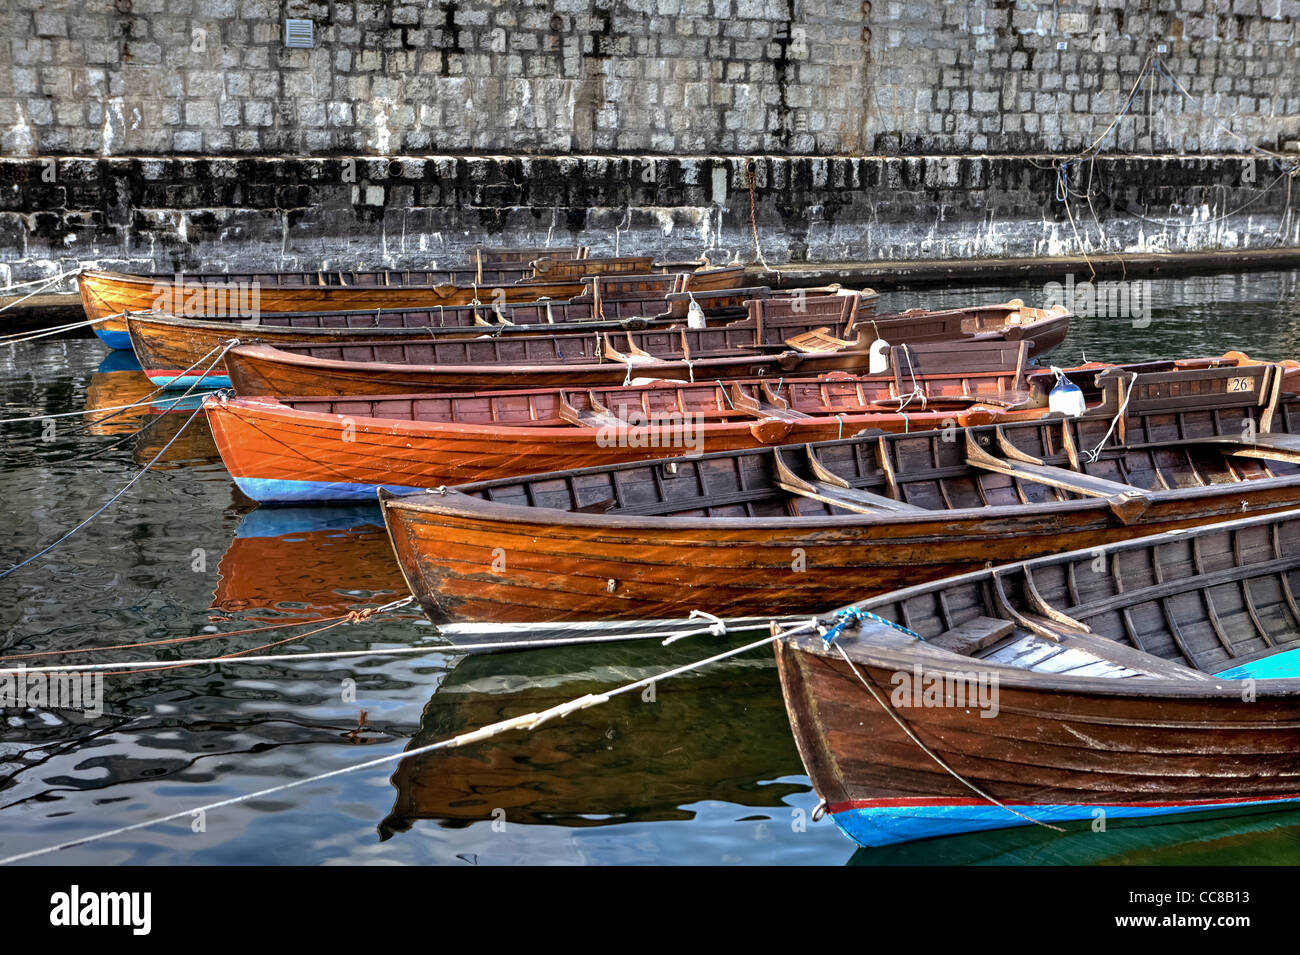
(705, 772)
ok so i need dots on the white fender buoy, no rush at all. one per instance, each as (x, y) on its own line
(879, 363)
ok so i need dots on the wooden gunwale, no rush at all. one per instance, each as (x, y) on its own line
(885, 659)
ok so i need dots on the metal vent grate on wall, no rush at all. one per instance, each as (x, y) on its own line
(299, 34)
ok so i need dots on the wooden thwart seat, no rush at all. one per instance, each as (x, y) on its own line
(975, 634)
(1022, 466)
(1132, 658)
(819, 340)
(773, 407)
(830, 488)
(1273, 446)
(597, 416)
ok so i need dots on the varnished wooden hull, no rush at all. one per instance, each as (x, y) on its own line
(775, 326)
(281, 454)
(167, 346)
(106, 294)
(739, 533)
(260, 370)
(299, 450)
(1142, 680)
(584, 570)
(1052, 753)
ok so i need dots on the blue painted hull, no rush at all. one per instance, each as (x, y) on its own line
(119, 340)
(883, 825)
(181, 382)
(275, 491)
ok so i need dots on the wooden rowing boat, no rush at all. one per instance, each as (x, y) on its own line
(108, 295)
(168, 345)
(105, 294)
(299, 450)
(752, 347)
(800, 527)
(790, 336)
(623, 762)
(1137, 680)
(303, 449)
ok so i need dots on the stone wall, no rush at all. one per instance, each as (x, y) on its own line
(672, 77)
(160, 134)
(177, 213)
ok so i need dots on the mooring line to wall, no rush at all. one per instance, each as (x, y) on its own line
(527, 721)
(18, 338)
(136, 404)
(107, 504)
(46, 280)
(1154, 66)
(74, 414)
(141, 473)
(166, 641)
(669, 637)
(41, 286)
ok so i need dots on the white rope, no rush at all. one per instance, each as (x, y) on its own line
(1095, 453)
(718, 628)
(41, 287)
(18, 338)
(139, 474)
(142, 402)
(527, 721)
(41, 281)
(86, 411)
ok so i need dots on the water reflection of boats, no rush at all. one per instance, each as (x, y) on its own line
(716, 734)
(119, 381)
(307, 562)
(1267, 837)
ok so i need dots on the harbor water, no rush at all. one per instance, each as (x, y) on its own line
(702, 769)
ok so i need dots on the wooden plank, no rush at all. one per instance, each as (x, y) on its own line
(975, 634)
(1075, 481)
(1131, 658)
(747, 403)
(588, 418)
(848, 498)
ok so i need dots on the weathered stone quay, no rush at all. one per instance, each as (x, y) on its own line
(158, 135)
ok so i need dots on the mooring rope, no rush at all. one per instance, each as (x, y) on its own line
(19, 338)
(717, 627)
(527, 721)
(41, 286)
(889, 710)
(1154, 65)
(166, 641)
(1095, 453)
(107, 504)
(127, 667)
(75, 414)
(46, 280)
(751, 180)
(143, 401)
(139, 474)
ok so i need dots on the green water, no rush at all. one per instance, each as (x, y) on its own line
(705, 772)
